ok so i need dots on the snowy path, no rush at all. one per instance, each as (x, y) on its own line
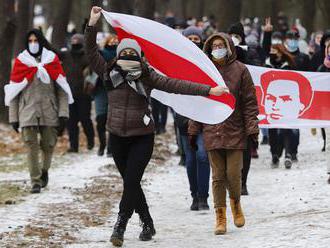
(285, 208)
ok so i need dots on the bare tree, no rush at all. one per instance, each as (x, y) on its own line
(7, 36)
(228, 13)
(308, 14)
(146, 8)
(62, 17)
(324, 6)
(24, 23)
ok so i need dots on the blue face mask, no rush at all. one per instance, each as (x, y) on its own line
(292, 45)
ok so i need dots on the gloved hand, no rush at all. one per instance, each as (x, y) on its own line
(254, 138)
(15, 126)
(193, 142)
(62, 124)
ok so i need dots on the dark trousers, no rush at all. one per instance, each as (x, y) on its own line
(159, 113)
(80, 111)
(101, 122)
(246, 162)
(282, 139)
(132, 155)
(295, 141)
(198, 167)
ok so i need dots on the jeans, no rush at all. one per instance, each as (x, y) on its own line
(131, 156)
(198, 167)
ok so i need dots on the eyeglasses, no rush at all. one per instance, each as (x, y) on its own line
(215, 46)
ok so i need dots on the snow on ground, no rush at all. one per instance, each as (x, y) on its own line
(285, 208)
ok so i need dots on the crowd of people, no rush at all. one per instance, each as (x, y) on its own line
(117, 78)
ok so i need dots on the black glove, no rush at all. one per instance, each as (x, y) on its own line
(193, 142)
(62, 124)
(254, 139)
(15, 126)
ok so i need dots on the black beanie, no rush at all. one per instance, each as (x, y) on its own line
(237, 28)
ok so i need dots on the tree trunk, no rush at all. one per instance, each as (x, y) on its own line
(228, 13)
(146, 8)
(324, 6)
(24, 23)
(308, 15)
(60, 24)
(121, 6)
(7, 36)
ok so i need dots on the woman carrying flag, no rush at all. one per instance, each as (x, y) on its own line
(130, 81)
(38, 96)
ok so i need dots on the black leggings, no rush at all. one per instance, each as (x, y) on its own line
(132, 155)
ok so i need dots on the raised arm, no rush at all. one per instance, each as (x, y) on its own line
(96, 61)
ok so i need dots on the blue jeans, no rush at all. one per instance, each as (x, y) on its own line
(198, 167)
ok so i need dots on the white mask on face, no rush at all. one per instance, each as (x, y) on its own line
(34, 47)
(235, 40)
(276, 41)
(219, 53)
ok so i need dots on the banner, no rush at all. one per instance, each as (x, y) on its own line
(292, 99)
(173, 55)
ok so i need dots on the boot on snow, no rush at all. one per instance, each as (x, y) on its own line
(194, 205)
(288, 162)
(237, 212)
(148, 229)
(44, 178)
(221, 221)
(117, 237)
(244, 190)
(36, 188)
(275, 161)
(202, 204)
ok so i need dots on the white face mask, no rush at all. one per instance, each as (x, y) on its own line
(34, 47)
(235, 40)
(219, 53)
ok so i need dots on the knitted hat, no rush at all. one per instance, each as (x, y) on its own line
(128, 44)
(79, 38)
(192, 30)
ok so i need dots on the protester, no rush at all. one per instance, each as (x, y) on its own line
(39, 106)
(101, 98)
(325, 67)
(75, 65)
(225, 142)
(130, 81)
(318, 57)
(197, 163)
(279, 139)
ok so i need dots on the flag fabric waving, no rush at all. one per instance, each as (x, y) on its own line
(173, 55)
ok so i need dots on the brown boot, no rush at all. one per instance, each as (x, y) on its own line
(221, 221)
(238, 215)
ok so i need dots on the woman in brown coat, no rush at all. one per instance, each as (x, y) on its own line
(226, 141)
(130, 81)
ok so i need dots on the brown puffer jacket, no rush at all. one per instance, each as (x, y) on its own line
(233, 132)
(127, 109)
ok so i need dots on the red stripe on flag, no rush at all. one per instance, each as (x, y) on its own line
(175, 66)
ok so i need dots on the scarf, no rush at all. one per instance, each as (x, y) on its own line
(26, 67)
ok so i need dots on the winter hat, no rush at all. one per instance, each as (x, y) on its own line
(79, 38)
(277, 35)
(128, 43)
(237, 28)
(192, 30)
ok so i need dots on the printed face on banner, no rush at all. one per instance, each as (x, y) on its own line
(282, 101)
(287, 95)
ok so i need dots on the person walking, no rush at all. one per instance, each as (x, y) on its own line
(130, 81)
(38, 98)
(225, 142)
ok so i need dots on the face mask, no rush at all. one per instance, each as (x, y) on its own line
(219, 53)
(110, 47)
(292, 45)
(129, 57)
(276, 41)
(76, 46)
(200, 44)
(34, 47)
(235, 40)
(274, 59)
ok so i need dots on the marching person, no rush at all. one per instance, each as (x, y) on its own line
(75, 64)
(225, 142)
(130, 81)
(38, 96)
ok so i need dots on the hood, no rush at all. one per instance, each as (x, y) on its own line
(237, 28)
(231, 55)
(325, 36)
(41, 40)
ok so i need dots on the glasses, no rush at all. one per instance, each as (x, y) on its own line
(215, 46)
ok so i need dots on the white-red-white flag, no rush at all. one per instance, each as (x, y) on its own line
(173, 55)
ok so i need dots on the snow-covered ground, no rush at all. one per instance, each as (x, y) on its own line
(285, 208)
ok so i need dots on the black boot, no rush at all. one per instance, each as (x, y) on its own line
(44, 178)
(117, 237)
(36, 188)
(244, 190)
(194, 205)
(202, 204)
(100, 152)
(148, 229)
